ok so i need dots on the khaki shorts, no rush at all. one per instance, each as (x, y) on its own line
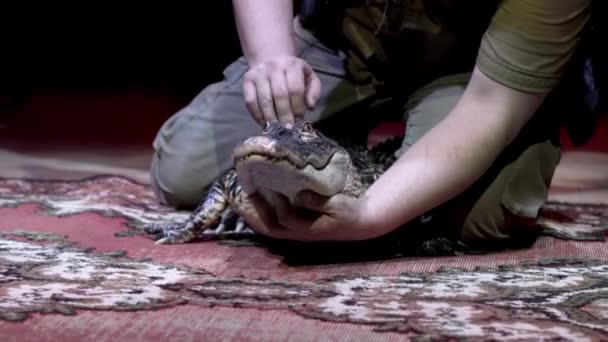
(194, 147)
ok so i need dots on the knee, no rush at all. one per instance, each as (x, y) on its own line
(498, 230)
(177, 184)
(504, 213)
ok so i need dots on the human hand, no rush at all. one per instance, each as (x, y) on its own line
(315, 218)
(280, 89)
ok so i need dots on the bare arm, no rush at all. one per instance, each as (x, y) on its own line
(521, 59)
(264, 28)
(278, 86)
(452, 155)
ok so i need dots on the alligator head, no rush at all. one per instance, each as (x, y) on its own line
(290, 160)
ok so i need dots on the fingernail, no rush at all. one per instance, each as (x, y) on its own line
(288, 125)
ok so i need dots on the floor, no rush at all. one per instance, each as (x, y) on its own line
(86, 130)
(89, 130)
(72, 133)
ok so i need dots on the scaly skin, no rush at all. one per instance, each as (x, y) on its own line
(305, 158)
(213, 212)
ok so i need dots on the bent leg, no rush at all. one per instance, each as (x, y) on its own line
(500, 209)
(194, 146)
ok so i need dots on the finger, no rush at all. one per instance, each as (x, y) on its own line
(258, 215)
(278, 220)
(296, 88)
(312, 201)
(319, 229)
(251, 101)
(265, 100)
(313, 87)
(280, 94)
(262, 219)
(311, 224)
(289, 217)
(293, 224)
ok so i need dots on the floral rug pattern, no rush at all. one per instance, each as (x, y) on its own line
(45, 273)
(116, 196)
(566, 299)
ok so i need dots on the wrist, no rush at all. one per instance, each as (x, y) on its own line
(371, 223)
(265, 29)
(273, 57)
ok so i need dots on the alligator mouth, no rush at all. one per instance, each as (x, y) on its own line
(267, 158)
(264, 149)
(261, 172)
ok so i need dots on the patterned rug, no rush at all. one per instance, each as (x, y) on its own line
(72, 256)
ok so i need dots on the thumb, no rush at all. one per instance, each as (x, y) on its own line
(312, 200)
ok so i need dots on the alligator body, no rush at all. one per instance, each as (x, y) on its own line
(284, 161)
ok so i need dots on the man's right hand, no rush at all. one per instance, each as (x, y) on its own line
(281, 89)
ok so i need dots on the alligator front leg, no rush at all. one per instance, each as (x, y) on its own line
(209, 213)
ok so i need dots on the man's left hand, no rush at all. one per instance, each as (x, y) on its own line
(315, 217)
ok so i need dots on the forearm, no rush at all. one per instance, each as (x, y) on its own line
(451, 156)
(265, 28)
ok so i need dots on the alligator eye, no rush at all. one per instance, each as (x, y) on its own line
(307, 128)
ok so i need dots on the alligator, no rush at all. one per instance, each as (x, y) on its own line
(286, 161)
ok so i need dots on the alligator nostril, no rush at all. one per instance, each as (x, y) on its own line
(307, 127)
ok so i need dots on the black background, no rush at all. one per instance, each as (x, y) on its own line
(184, 46)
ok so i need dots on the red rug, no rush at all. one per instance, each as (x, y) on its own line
(74, 267)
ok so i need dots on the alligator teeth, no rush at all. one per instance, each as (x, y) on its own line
(268, 158)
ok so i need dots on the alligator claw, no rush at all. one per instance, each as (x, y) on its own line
(174, 237)
(220, 228)
(172, 233)
(161, 241)
(241, 225)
